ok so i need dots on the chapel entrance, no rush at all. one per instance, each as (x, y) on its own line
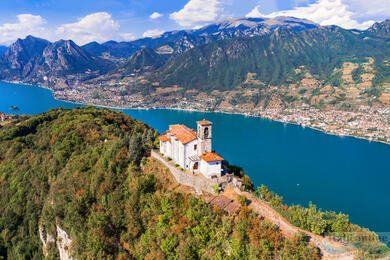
(196, 165)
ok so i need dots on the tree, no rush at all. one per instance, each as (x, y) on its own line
(135, 148)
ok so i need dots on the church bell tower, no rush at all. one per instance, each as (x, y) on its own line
(204, 136)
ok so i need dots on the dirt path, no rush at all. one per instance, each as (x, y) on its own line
(329, 249)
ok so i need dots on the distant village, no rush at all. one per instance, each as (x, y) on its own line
(4, 117)
(370, 123)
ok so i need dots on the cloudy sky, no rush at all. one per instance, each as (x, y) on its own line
(101, 20)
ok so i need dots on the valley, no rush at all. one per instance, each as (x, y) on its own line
(285, 69)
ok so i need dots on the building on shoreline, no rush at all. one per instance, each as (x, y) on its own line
(192, 150)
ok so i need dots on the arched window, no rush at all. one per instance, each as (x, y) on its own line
(206, 132)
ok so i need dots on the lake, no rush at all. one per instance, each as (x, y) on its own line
(335, 173)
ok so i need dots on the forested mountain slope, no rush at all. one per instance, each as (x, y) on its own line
(223, 65)
(78, 171)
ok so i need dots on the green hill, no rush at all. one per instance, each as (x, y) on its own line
(84, 171)
(79, 170)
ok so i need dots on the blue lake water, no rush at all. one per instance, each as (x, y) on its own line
(336, 173)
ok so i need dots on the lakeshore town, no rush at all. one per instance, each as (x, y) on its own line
(4, 117)
(367, 123)
(372, 123)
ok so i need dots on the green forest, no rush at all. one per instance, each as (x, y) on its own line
(82, 170)
(224, 64)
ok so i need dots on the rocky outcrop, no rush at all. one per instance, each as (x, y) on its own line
(46, 240)
(381, 29)
(63, 244)
(62, 241)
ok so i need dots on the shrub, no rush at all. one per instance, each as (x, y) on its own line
(242, 200)
(144, 161)
(216, 188)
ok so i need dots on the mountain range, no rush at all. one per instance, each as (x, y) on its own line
(177, 42)
(223, 65)
(37, 61)
(220, 56)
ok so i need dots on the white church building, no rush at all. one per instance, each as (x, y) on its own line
(192, 150)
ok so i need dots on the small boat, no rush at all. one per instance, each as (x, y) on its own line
(13, 108)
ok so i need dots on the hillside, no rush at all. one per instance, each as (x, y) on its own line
(141, 62)
(76, 182)
(223, 65)
(74, 175)
(111, 50)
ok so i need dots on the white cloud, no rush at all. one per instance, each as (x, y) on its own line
(128, 36)
(98, 27)
(152, 33)
(369, 9)
(27, 24)
(359, 14)
(155, 15)
(198, 12)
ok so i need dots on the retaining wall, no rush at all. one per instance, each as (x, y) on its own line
(183, 178)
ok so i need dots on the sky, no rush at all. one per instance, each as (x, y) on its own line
(84, 21)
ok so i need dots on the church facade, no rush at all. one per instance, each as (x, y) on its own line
(192, 150)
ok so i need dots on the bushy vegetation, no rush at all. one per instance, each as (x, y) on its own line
(80, 169)
(323, 223)
(326, 223)
(66, 167)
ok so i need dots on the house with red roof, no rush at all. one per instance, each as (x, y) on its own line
(192, 150)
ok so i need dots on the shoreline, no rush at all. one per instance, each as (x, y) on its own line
(228, 113)
(196, 110)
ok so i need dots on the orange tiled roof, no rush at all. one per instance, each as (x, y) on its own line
(182, 133)
(211, 157)
(164, 138)
(204, 122)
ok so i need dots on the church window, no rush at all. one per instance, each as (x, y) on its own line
(195, 147)
(206, 132)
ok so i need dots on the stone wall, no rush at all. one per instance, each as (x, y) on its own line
(183, 178)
